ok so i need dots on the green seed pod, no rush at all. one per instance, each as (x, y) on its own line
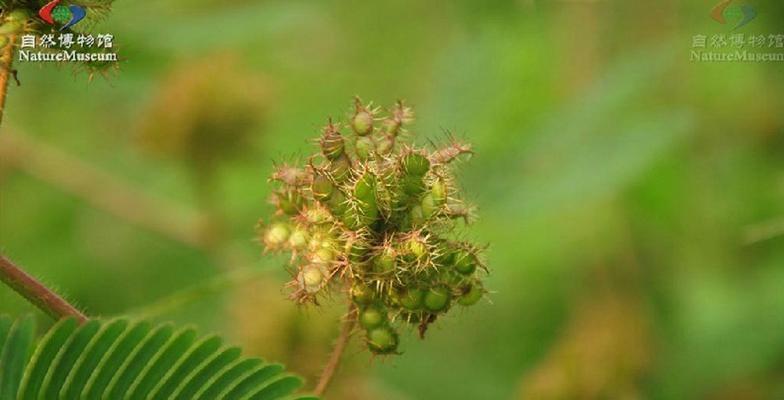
(437, 299)
(445, 256)
(416, 248)
(439, 192)
(356, 250)
(372, 317)
(321, 240)
(368, 214)
(351, 219)
(276, 235)
(416, 164)
(337, 203)
(340, 168)
(450, 277)
(323, 256)
(362, 121)
(465, 262)
(384, 262)
(385, 145)
(332, 145)
(298, 239)
(362, 294)
(471, 295)
(412, 185)
(322, 188)
(317, 215)
(365, 193)
(365, 189)
(382, 340)
(412, 299)
(364, 147)
(312, 278)
(400, 115)
(416, 216)
(428, 205)
(289, 202)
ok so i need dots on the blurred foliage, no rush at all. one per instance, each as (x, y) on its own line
(598, 143)
(204, 113)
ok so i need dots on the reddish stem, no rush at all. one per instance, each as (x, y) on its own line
(340, 346)
(35, 292)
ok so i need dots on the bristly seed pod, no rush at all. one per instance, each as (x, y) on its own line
(412, 299)
(385, 261)
(298, 239)
(382, 340)
(416, 165)
(365, 194)
(322, 188)
(465, 263)
(471, 295)
(362, 294)
(438, 192)
(416, 248)
(332, 145)
(312, 278)
(437, 299)
(276, 235)
(365, 189)
(362, 121)
(338, 203)
(288, 202)
(375, 216)
(364, 146)
(385, 145)
(401, 115)
(428, 205)
(340, 168)
(317, 215)
(372, 317)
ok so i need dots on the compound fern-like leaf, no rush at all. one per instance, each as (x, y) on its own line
(121, 359)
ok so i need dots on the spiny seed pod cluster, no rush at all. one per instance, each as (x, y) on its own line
(376, 217)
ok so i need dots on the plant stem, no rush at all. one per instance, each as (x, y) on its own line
(6, 63)
(340, 346)
(35, 292)
(103, 190)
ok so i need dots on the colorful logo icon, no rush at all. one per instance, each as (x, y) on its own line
(725, 11)
(56, 13)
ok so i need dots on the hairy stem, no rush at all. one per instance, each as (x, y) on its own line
(35, 292)
(6, 63)
(340, 346)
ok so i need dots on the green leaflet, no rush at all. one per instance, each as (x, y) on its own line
(18, 342)
(120, 359)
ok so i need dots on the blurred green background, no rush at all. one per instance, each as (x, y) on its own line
(633, 200)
